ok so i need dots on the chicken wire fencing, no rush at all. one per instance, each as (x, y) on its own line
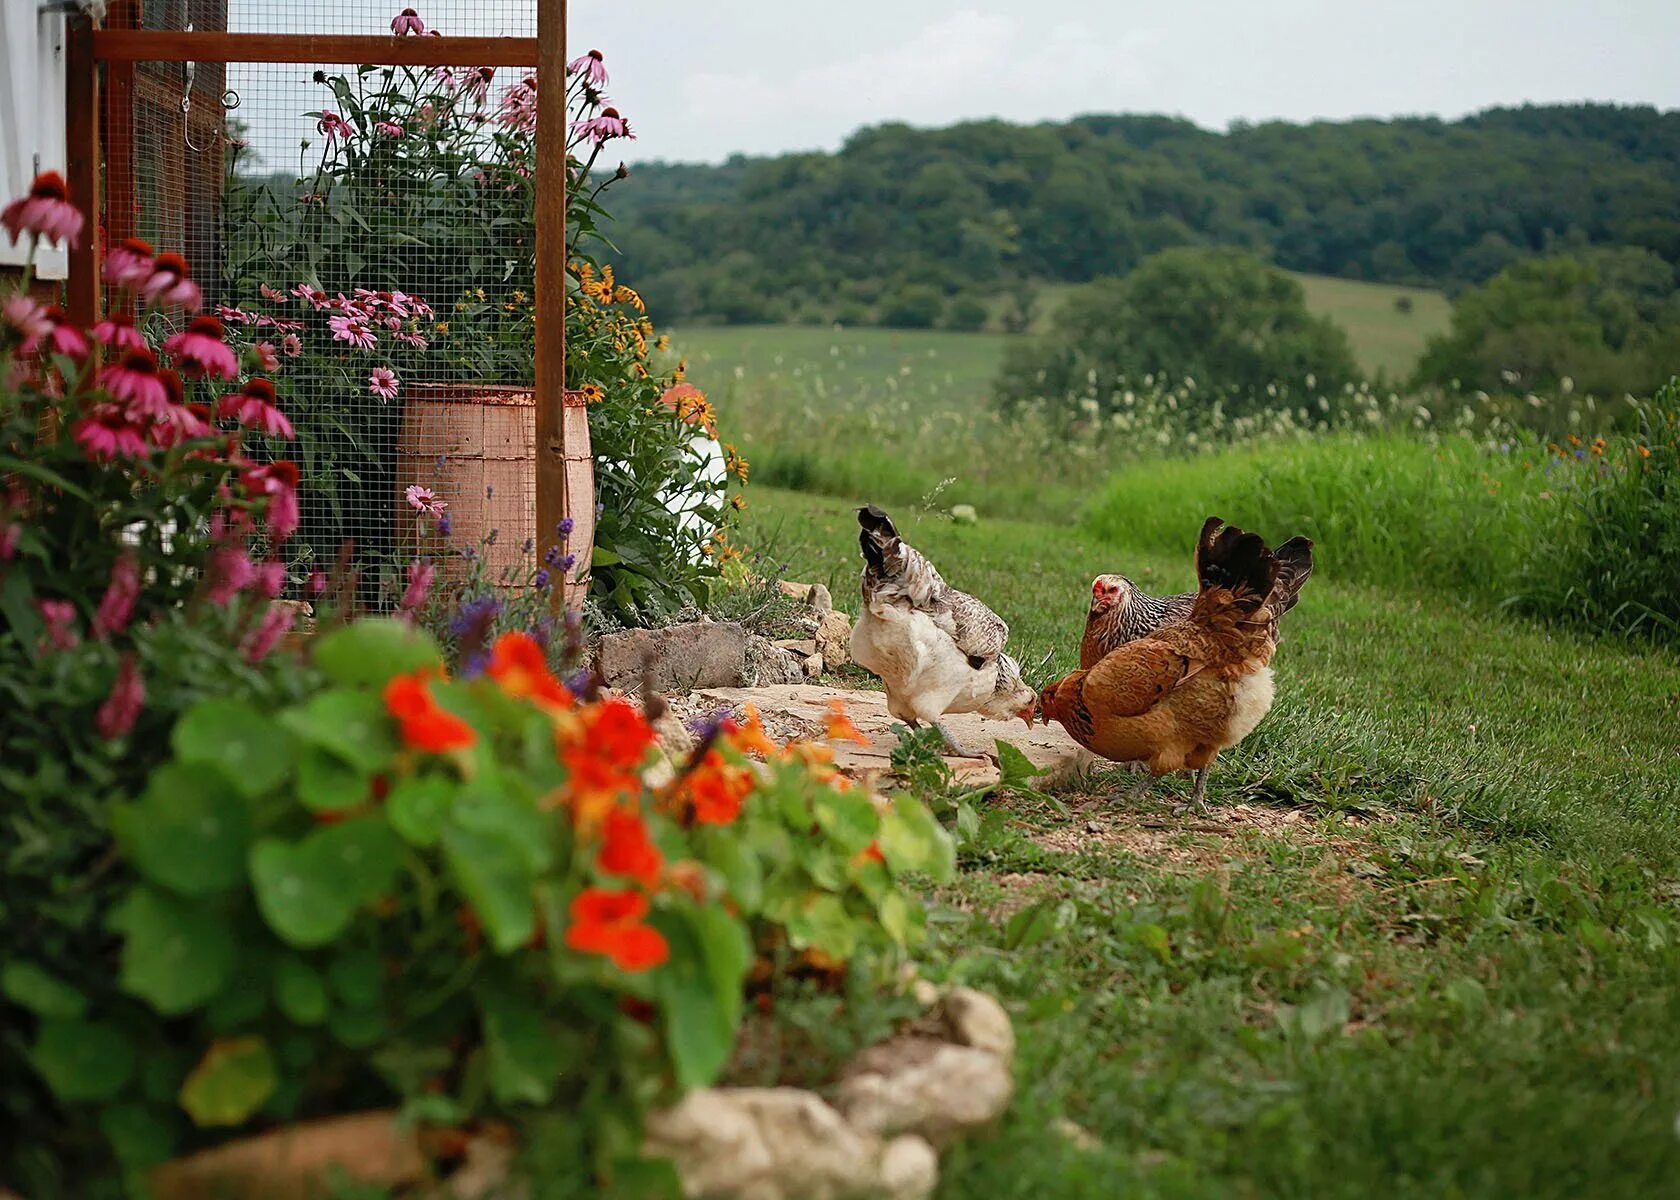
(366, 236)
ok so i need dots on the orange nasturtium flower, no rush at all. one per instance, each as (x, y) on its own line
(749, 736)
(840, 727)
(425, 725)
(610, 924)
(520, 668)
(601, 745)
(626, 849)
(717, 788)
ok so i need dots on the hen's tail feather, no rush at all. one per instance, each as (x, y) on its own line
(1235, 561)
(877, 536)
(1295, 563)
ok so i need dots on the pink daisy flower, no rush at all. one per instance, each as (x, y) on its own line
(475, 82)
(382, 382)
(291, 345)
(107, 433)
(56, 335)
(353, 330)
(400, 303)
(45, 213)
(129, 263)
(388, 129)
(420, 577)
(253, 406)
(518, 110)
(417, 340)
(423, 500)
(133, 379)
(604, 127)
(335, 127)
(200, 351)
(407, 22)
(277, 481)
(119, 333)
(233, 315)
(171, 283)
(272, 296)
(316, 297)
(266, 356)
(121, 709)
(25, 316)
(591, 66)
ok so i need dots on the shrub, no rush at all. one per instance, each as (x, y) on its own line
(1218, 316)
(913, 306)
(967, 313)
(473, 897)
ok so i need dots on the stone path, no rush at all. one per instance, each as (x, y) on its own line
(798, 710)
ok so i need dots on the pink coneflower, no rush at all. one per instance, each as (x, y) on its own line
(129, 263)
(591, 66)
(368, 300)
(46, 212)
(475, 82)
(417, 306)
(518, 110)
(59, 337)
(604, 127)
(200, 351)
(107, 433)
(270, 577)
(122, 707)
(291, 345)
(260, 643)
(116, 608)
(316, 297)
(285, 324)
(277, 481)
(134, 380)
(228, 573)
(353, 330)
(272, 296)
(417, 340)
(424, 500)
(171, 283)
(182, 423)
(253, 406)
(60, 619)
(420, 576)
(267, 359)
(399, 303)
(119, 333)
(391, 322)
(10, 535)
(382, 382)
(388, 129)
(335, 127)
(407, 22)
(25, 316)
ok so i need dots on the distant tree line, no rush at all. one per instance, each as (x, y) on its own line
(946, 227)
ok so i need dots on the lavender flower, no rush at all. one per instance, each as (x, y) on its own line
(540, 580)
(564, 529)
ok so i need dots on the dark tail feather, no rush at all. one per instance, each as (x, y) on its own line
(1237, 561)
(877, 535)
(1295, 563)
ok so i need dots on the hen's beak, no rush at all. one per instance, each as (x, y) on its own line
(1029, 711)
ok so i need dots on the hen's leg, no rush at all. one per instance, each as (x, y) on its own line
(958, 749)
(1198, 798)
(1140, 789)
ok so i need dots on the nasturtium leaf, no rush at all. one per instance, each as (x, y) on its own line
(698, 1029)
(489, 807)
(1014, 767)
(352, 725)
(418, 806)
(727, 952)
(189, 831)
(357, 978)
(243, 1002)
(370, 652)
(912, 840)
(299, 992)
(822, 923)
(231, 1082)
(253, 751)
(493, 871)
(41, 992)
(140, 1135)
(82, 1060)
(357, 1027)
(176, 954)
(525, 1058)
(307, 891)
(848, 818)
(743, 873)
(897, 917)
(327, 783)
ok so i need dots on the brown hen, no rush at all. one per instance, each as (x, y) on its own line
(1197, 685)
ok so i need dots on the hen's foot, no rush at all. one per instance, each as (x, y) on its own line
(1198, 798)
(958, 750)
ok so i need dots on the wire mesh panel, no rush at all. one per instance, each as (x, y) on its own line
(368, 233)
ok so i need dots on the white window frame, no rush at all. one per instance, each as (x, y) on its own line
(32, 91)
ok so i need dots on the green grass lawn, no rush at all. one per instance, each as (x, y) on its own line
(1428, 944)
(1384, 338)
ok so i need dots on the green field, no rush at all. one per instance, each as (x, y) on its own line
(1384, 338)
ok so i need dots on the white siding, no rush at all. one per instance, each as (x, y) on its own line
(31, 114)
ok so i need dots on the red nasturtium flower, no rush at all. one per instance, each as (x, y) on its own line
(716, 788)
(627, 850)
(424, 724)
(610, 924)
(519, 667)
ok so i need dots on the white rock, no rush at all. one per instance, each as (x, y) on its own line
(975, 1019)
(814, 665)
(834, 639)
(939, 1094)
(964, 514)
(909, 1168)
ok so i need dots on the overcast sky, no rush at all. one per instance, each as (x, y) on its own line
(702, 81)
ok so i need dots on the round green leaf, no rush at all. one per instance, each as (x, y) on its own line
(326, 783)
(42, 993)
(140, 1135)
(370, 652)
(418, 806)
(493, 871)
(176, 955)
(299, 992)
(357, 1028)
(232, 1081)
(307, 891)
(351, 725)
(253, 751)
(82, 1060)
(189, 831)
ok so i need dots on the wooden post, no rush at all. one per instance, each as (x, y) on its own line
(565, 466)
(81, 136)
(118, 134)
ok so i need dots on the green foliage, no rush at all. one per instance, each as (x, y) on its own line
(1221, 318)
(1605, 322)
(913, 306)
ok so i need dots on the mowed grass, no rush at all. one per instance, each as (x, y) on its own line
(1428, 945)
(1385, 336)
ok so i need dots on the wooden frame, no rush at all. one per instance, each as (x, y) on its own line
(564, 464)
